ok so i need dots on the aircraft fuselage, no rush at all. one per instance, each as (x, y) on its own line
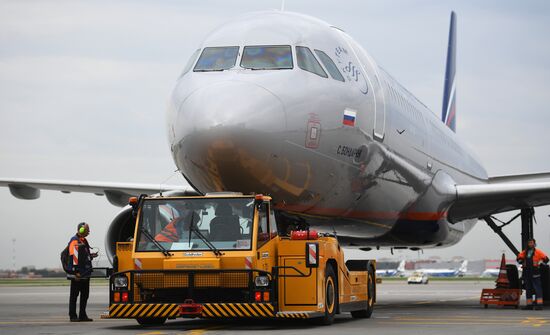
(362, 157)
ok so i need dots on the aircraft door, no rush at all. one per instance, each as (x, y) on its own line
(368, 71)
(379, 113)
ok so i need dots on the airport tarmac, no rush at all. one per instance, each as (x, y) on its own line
(437, 308)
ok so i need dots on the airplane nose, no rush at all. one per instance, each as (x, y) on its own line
(230, 137)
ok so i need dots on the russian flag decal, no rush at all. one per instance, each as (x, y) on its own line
(349, 117)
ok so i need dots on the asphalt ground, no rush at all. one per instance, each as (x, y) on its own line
(436, 308)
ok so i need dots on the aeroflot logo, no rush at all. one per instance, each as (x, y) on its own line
(351, 71)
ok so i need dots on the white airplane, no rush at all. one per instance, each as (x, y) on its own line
(288, 105)
(490, 273)
(458, 272)
(399, 271)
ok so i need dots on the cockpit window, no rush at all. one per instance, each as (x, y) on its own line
(190, 62)
(217, 59)
(267, 57)
(307, 62)
(329, 65)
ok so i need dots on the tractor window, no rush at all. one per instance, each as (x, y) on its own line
(263, 230)
(272, 222)
(192, 223)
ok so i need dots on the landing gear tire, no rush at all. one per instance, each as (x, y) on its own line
(366, 313)
(331, 297)
(151, 321)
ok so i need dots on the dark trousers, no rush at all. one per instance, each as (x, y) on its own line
(533, 285)
(81, 287)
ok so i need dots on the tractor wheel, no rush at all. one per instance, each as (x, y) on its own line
(331, 296)
(366, 313)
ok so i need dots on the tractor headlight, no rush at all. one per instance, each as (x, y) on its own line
(121, 282)
(261, 281)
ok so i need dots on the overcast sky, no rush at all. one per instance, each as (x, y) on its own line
(84, 88)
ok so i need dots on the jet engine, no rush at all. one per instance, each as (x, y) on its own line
(123, 225)
(121, 229)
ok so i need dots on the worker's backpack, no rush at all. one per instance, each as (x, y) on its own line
(65, 257)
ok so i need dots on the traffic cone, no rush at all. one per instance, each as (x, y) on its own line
(502, 280)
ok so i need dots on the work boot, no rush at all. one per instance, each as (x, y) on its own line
(75, 320)
(85, 318)
(527, 308)
(538, 308)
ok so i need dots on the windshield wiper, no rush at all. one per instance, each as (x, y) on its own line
(155, 242)
(197, 232)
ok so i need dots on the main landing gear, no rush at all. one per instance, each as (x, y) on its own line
(527, 217)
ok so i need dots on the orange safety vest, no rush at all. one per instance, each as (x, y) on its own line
(538, 257)
(168, 233)
(80, 263)
(74, 246)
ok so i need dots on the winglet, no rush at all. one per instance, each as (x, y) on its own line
(448, 113)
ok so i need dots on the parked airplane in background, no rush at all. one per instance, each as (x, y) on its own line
(490, 273)
(397, 272)
(285, 104)
(458, 272)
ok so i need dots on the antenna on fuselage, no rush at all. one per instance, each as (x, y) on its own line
(166, 180)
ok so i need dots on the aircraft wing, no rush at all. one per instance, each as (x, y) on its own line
(501, 194)
(116, 193)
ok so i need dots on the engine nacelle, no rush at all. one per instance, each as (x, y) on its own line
(123, 225)
(121, 230)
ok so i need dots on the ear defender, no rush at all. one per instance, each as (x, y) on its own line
(82, 230)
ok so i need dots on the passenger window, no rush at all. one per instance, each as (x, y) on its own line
(190, 62)
(217, 59)
(330, 66)
(307, 62)
(267, 58)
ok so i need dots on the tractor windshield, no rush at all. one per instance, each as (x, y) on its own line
(194, 223)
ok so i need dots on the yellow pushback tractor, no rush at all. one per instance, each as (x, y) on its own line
(224, 256)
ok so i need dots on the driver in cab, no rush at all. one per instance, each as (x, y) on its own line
(173, 231)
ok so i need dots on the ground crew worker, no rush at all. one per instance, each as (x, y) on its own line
(170, 232)
(80, 266)
(174, 229)
(531, 259)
